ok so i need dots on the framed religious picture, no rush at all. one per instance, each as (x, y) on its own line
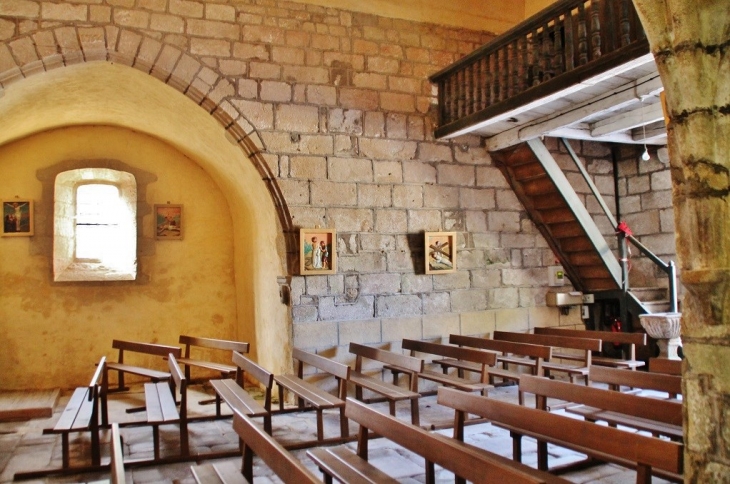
(440, 250)
(17, 218)
(317, 251)
(169, 223)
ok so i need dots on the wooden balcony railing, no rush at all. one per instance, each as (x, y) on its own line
(567, 43)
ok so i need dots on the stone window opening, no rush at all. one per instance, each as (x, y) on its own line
(95, 225)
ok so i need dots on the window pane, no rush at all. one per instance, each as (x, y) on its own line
(97, 219)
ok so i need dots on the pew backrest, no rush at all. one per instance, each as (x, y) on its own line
(586, 344)
(384, 356)
(469, 354)
(615, 377)
(506, 347)
(665, 365)
(589, 437)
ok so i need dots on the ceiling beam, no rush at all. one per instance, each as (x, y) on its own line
(585, 134)
(655, 133)
(646, 114)
(618, 98)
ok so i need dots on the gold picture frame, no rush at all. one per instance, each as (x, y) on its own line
(440, 252)
(169, 223)
(17, 218)
(317, 251)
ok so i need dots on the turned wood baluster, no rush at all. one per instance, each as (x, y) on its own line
(454, 97)
(546, 54)
(460, 94)
(524, 65)
(483, 82)
(610, 26)
(569, 50)
(582, 36)
(493, 79)
(534, 57)
(504, 74)
(516, 67)
(595, 29)
(625, 24)
(558, 47)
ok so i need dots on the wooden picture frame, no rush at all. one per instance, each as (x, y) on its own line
(317, 251)
(169, 222)
(17, 218)
(440, 252)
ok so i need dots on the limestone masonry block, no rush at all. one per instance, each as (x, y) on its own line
(387, 172)
(488, 176)
(131, 18)
(476, 221)
(350, 169)
(419, 172)
(304, 314)
(383, 149)
(306, 216)
(440, 325)
(329, 194)
(439, 196)
(407, 196)
(370, 195)
(515, 319)
(377, 242)
(316, 286)
(363, 308)
(480, 324)
(167, 23)
(437, 303)
(424, 220)
(362, 332)
(216, 48)
(391, 221)
(477, 198)
(301, 119)
(62, 11)
(20, 8)
(365, 262)
(404, 103)
(351, 219)
(396, 329)
(469, 300)
(504, 221)
(226, 13)
(387, 283)
(504, 297)
(315, 335)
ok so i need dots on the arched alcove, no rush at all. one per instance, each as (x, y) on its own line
(102, 93)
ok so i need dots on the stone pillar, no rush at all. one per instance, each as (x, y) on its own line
(690, 40)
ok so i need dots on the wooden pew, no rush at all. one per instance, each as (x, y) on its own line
(615, 378)
(226, 371)
(665, 365)
(660, 417)
(162, 409)
(574, 371)
(464, 460)
(631, 340)
(309, 395)
(256, 442)
(645, 454)
(238, 398)
(536, 353)
(122, 367)
(484, 359)
(392, 393)
(80, 415)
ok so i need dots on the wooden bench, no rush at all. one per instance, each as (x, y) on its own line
(574, 371)
(660, 417)
(606, 444)
(392, 393)
(162, 408)
(310, 395)
(536, 353)
(122, 367)
(484, 359)
(629, 340)
(81, 414)
(464, 460)
(226, 371)
(238, 398)
(665, 365)
(615, 378)
(256, 442)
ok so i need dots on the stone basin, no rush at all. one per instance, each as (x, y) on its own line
(665, 328)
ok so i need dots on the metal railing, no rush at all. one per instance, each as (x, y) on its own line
(668, 268)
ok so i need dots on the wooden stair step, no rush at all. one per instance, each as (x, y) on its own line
(528, 171)
(538, 187)
(548, 201)
(576, 244)
(557, 215)
(567, 230)
(593, 272)
(519, 156)
(588, 258)
(600, 284)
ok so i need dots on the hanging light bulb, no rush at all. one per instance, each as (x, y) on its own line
(645, 155)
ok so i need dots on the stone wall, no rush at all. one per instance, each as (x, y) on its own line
(339, 107)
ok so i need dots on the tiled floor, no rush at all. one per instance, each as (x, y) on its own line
(23, 447)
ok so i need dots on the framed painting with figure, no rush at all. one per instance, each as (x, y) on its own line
(169, 222)
(317, 251)
(17, 218)
(440, 252)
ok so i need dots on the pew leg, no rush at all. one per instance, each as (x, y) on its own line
(516, 446)
(542, 455)
(156, 441)
(430, 473)
(247, 465)
(184, 445)
(521, 398)
(643, 474)
(95, 450)
(267, 424)
(64, 449)
(320, 425)
(391, 407)
(344, 427)
(415, 416)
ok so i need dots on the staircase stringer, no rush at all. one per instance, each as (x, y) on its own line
(576, 206)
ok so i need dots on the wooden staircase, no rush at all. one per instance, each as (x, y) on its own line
(560, 216)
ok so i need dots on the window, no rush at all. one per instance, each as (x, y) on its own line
(95, 226)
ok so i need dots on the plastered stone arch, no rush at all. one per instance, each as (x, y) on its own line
(46, 51)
